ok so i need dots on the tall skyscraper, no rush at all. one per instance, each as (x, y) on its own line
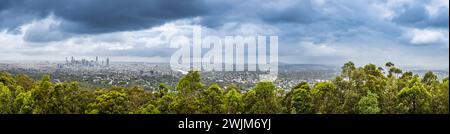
(107, 61)
(96, 59)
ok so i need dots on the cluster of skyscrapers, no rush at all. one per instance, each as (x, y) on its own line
(84, 63)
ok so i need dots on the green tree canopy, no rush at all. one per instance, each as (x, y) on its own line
(369, 104)
(266, 102)
(212, 100)
(112, 102)
(301, 102)
(233, 102)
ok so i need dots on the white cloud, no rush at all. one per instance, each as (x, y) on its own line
(435, 5)
(383, 11)
(312, 49)
(427, 36)
(44, 30)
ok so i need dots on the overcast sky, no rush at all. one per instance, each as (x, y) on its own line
(406, 32)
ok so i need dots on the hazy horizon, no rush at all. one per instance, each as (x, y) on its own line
(411, 67)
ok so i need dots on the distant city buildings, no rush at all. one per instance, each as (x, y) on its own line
(95, 72)
(107, 61)
(83, 63)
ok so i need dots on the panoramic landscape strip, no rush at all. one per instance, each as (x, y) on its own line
(368, 89)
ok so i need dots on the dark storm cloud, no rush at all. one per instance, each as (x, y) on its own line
(266, 11)
(441, 20)
(4, 4)
(103, 16)
(417, 16)
(100, 16)
(300, 13)
(14, 14)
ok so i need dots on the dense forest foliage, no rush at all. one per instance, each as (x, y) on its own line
(357, 90)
